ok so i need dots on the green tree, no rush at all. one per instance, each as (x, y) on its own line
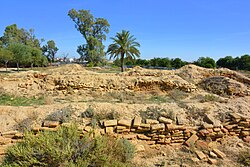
(177, 63)
(244, 62)
(12, 34)
(123, 45)
(206, 62)
(5, 56)
(227, 62)
(36, 56)
(50, 50)
(94, 31)
(21, 53)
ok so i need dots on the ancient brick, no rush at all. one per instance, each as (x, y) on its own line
(192, 140)
(109, 130)
(200, 155)
(219, 153)
(124, 122)
(51, 124)
(151, 121)
(143, 137)
(137, 122)
(212, 161)
(110, 123)
(158, 126)
(165, 120)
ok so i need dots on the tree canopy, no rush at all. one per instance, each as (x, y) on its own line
(123, 45)
(50, 50)
(94, 31)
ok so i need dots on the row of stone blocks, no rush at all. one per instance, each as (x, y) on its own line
(161, 131)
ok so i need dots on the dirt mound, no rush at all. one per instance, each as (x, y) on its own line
(224, 86)
(139, 71)
(68, 69)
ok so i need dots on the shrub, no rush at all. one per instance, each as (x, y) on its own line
(152, 113)
(65, 148)
(244, 157)
(62, 115)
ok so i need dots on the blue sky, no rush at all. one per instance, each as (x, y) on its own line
(187, 29)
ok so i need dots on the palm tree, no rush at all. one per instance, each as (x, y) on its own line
(124, 44)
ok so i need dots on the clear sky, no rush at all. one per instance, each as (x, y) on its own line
(187, 29)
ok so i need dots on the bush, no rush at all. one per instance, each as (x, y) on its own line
(244, 157)
(65, 148)
(152, 113)
(62, 115)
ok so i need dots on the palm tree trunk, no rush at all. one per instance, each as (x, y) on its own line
(122, 62)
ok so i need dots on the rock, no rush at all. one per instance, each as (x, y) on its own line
(219, 153)
(137, 122)
(88, 129)
(145, 125)
(158, 126)
(207, 126)
(212, 154)
(191, 141)
(200, 155)
(165, 120)
(109, 130)
(129, 136)
(143, 137)
(124, 123)
(151, 121)
(13, 132)
(139, 148)
(110, 123)
(245, 133)
(195, 159)
(51, 124)
(240, 145)
(209, 119)
(202, 145)
(246, 139)
(212, 161)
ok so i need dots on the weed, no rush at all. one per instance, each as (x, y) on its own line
(209, 98)
(177, 94)
(244, 157)
(65, 148)
(152, 113)
(62, 115)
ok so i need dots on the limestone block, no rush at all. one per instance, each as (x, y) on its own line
(137, 122)
(200, 155)
(158, 127)
(109, 130)
(151, 121)
(110, 123)
(124, 122)
(165, 120)
(192, 140)
(51, 124)
(219, 153)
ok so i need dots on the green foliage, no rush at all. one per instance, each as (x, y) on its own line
(238, 63)
(210, 97)
(244, 157)
(8, 100)
(206, 62)
(5, 56)
(50, 50)
(21, 53)
(94, 31)
(65, 148)
(124, 44)
(152, 113)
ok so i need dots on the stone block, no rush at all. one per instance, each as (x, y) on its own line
(12, 132)
(51, 124)
(152, 121)
(145, 125)
(165, 120)
(219, 153)
(143, 137)
(137, 122)
(212, 154)
(158, 127)
(200, 155)
(212, 161)
(245, 133)
(109, 130)
(246, 139)
(124, 122)
(191, 141)
(110, 123)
